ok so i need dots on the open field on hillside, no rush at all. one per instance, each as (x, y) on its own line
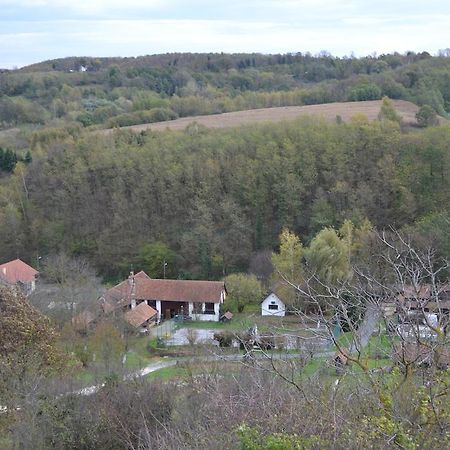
(328, 111)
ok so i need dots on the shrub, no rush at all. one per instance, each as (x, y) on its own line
(140, 117)
(267, 342)
(362, 92)
(426, 116)
(224, 338)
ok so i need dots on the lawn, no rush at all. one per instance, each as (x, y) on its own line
(168, 373)
(243, 321)
(240, 322)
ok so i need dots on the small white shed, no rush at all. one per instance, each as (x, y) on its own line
(273, 306)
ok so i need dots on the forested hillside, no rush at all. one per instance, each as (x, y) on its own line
(345, 218)
(110, 92)
(212, 199)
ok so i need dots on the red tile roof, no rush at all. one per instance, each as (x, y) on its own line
(146, 288)
(15, 271)
(422, 292)
(180, 290)
(139, 315)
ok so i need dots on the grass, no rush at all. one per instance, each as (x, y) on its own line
(168, 373)
(240, 322)
(137, 357)
(86, 377)
(250, 317)
(313, 366)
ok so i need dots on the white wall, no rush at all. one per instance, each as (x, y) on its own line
(272, 299)
(205, 317)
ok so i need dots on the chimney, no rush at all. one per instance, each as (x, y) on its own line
(132, 282)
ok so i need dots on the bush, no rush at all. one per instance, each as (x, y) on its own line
(364, 92)
(140, 117)
(426, 116)
(224, 338)
(267, 342)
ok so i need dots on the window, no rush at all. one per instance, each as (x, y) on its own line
(273, 307)
(197, 309)
(209, 308)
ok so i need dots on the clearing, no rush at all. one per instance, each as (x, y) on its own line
(328, 111)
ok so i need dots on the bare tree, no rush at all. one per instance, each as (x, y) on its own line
(69, 286)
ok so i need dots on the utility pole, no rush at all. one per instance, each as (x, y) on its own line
(164, 268)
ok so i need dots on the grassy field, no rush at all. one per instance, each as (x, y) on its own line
(328, 111)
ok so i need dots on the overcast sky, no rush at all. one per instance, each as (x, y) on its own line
(37, 30)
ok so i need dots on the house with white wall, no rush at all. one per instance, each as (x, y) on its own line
(272, 305)
(199, 300)
(18, 273)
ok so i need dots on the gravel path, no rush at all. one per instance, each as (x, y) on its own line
(367, 327)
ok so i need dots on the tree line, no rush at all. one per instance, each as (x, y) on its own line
(117, 92)
(210, 201)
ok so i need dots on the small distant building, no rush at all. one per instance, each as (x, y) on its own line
(18, 273)
(272, 305)
(226, 317)
(420, 305)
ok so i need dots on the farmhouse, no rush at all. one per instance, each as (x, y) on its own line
(272, 305)
(421, 302)
(198, 300)
(18, 273)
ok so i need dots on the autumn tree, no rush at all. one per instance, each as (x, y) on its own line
(69, 286)
(107, 344)
(243, 290)
(388, 112)
(288, 265)
(328, 256)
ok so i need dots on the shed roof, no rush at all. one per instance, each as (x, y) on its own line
(139, 315)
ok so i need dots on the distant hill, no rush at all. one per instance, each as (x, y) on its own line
(117, 92)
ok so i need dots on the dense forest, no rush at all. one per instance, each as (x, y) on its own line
(215, 198)
(210, 201)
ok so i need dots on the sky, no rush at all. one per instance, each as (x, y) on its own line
(38, 30)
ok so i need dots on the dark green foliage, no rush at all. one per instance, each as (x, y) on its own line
(136, 118)
(364, 92)
(224, 338)
(426, 116)
(8, 160)
(215, 196)
(157, 260)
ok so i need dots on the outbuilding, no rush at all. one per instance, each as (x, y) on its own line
(272, 305)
